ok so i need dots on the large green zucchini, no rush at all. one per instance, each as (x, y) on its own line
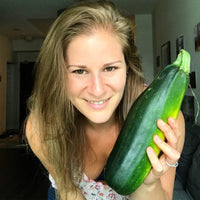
(128, 164)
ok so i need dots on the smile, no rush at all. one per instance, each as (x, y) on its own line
(97, 102)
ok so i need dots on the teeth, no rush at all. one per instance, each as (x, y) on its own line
(97, 102)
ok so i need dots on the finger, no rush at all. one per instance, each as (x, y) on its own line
(168, 132)
(174, 126)
(157, 168)
(172, 155)
(164, 160)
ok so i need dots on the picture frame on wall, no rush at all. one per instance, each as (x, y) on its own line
(179, 44)
(165, 54)
(197, 37)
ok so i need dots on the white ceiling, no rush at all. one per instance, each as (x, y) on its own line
(27, 19)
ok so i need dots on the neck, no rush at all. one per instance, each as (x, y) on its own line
(101, 128)
(101, 139)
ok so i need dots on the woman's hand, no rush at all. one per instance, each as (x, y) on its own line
(159, 183)
(170, 149)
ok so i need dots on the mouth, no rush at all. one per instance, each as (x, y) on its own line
(97, 102)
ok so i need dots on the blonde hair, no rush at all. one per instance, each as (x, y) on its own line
(56, 119)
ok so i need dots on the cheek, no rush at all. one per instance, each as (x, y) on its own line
(72, 87)
(75, 86)
(120, 82)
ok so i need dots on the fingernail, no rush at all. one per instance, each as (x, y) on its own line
(171, 119)
(157, 139)
(149, 150)
(161, 122)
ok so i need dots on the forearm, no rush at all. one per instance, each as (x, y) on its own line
(151, 192)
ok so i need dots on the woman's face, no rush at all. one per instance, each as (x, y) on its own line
(96, 75)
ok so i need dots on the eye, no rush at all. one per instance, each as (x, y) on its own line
(79, 71)
(110, 68)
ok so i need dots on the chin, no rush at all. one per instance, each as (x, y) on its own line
(100, 119)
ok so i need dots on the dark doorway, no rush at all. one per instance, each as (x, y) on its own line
(26, 86)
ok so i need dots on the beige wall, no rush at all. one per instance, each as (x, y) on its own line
(5, 56)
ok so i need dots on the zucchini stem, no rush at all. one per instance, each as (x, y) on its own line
(183, 61)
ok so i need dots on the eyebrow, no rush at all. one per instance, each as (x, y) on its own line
(84, 66)
(78, 66)
(111, 63)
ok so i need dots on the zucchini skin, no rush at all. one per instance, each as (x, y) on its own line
(128, 163)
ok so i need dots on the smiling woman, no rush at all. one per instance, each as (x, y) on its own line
(88, 74)
(96, 83)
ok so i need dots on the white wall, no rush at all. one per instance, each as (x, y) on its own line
(171, 19)
(144, 42)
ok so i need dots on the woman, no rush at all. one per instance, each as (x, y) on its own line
(85, 71)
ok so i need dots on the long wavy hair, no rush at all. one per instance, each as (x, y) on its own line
(55, 119)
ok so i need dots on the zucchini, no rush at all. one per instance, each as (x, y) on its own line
(128, 164)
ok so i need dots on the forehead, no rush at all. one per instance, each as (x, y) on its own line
(99, 44)
(97, 30)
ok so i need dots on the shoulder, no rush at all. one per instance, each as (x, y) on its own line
(38, 147)
(32, 135)
(35, 141)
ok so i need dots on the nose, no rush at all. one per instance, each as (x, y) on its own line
(96, 86)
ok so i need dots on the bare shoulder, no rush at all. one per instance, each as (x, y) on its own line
(38, 148)
(35, 142)
(32, 136)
